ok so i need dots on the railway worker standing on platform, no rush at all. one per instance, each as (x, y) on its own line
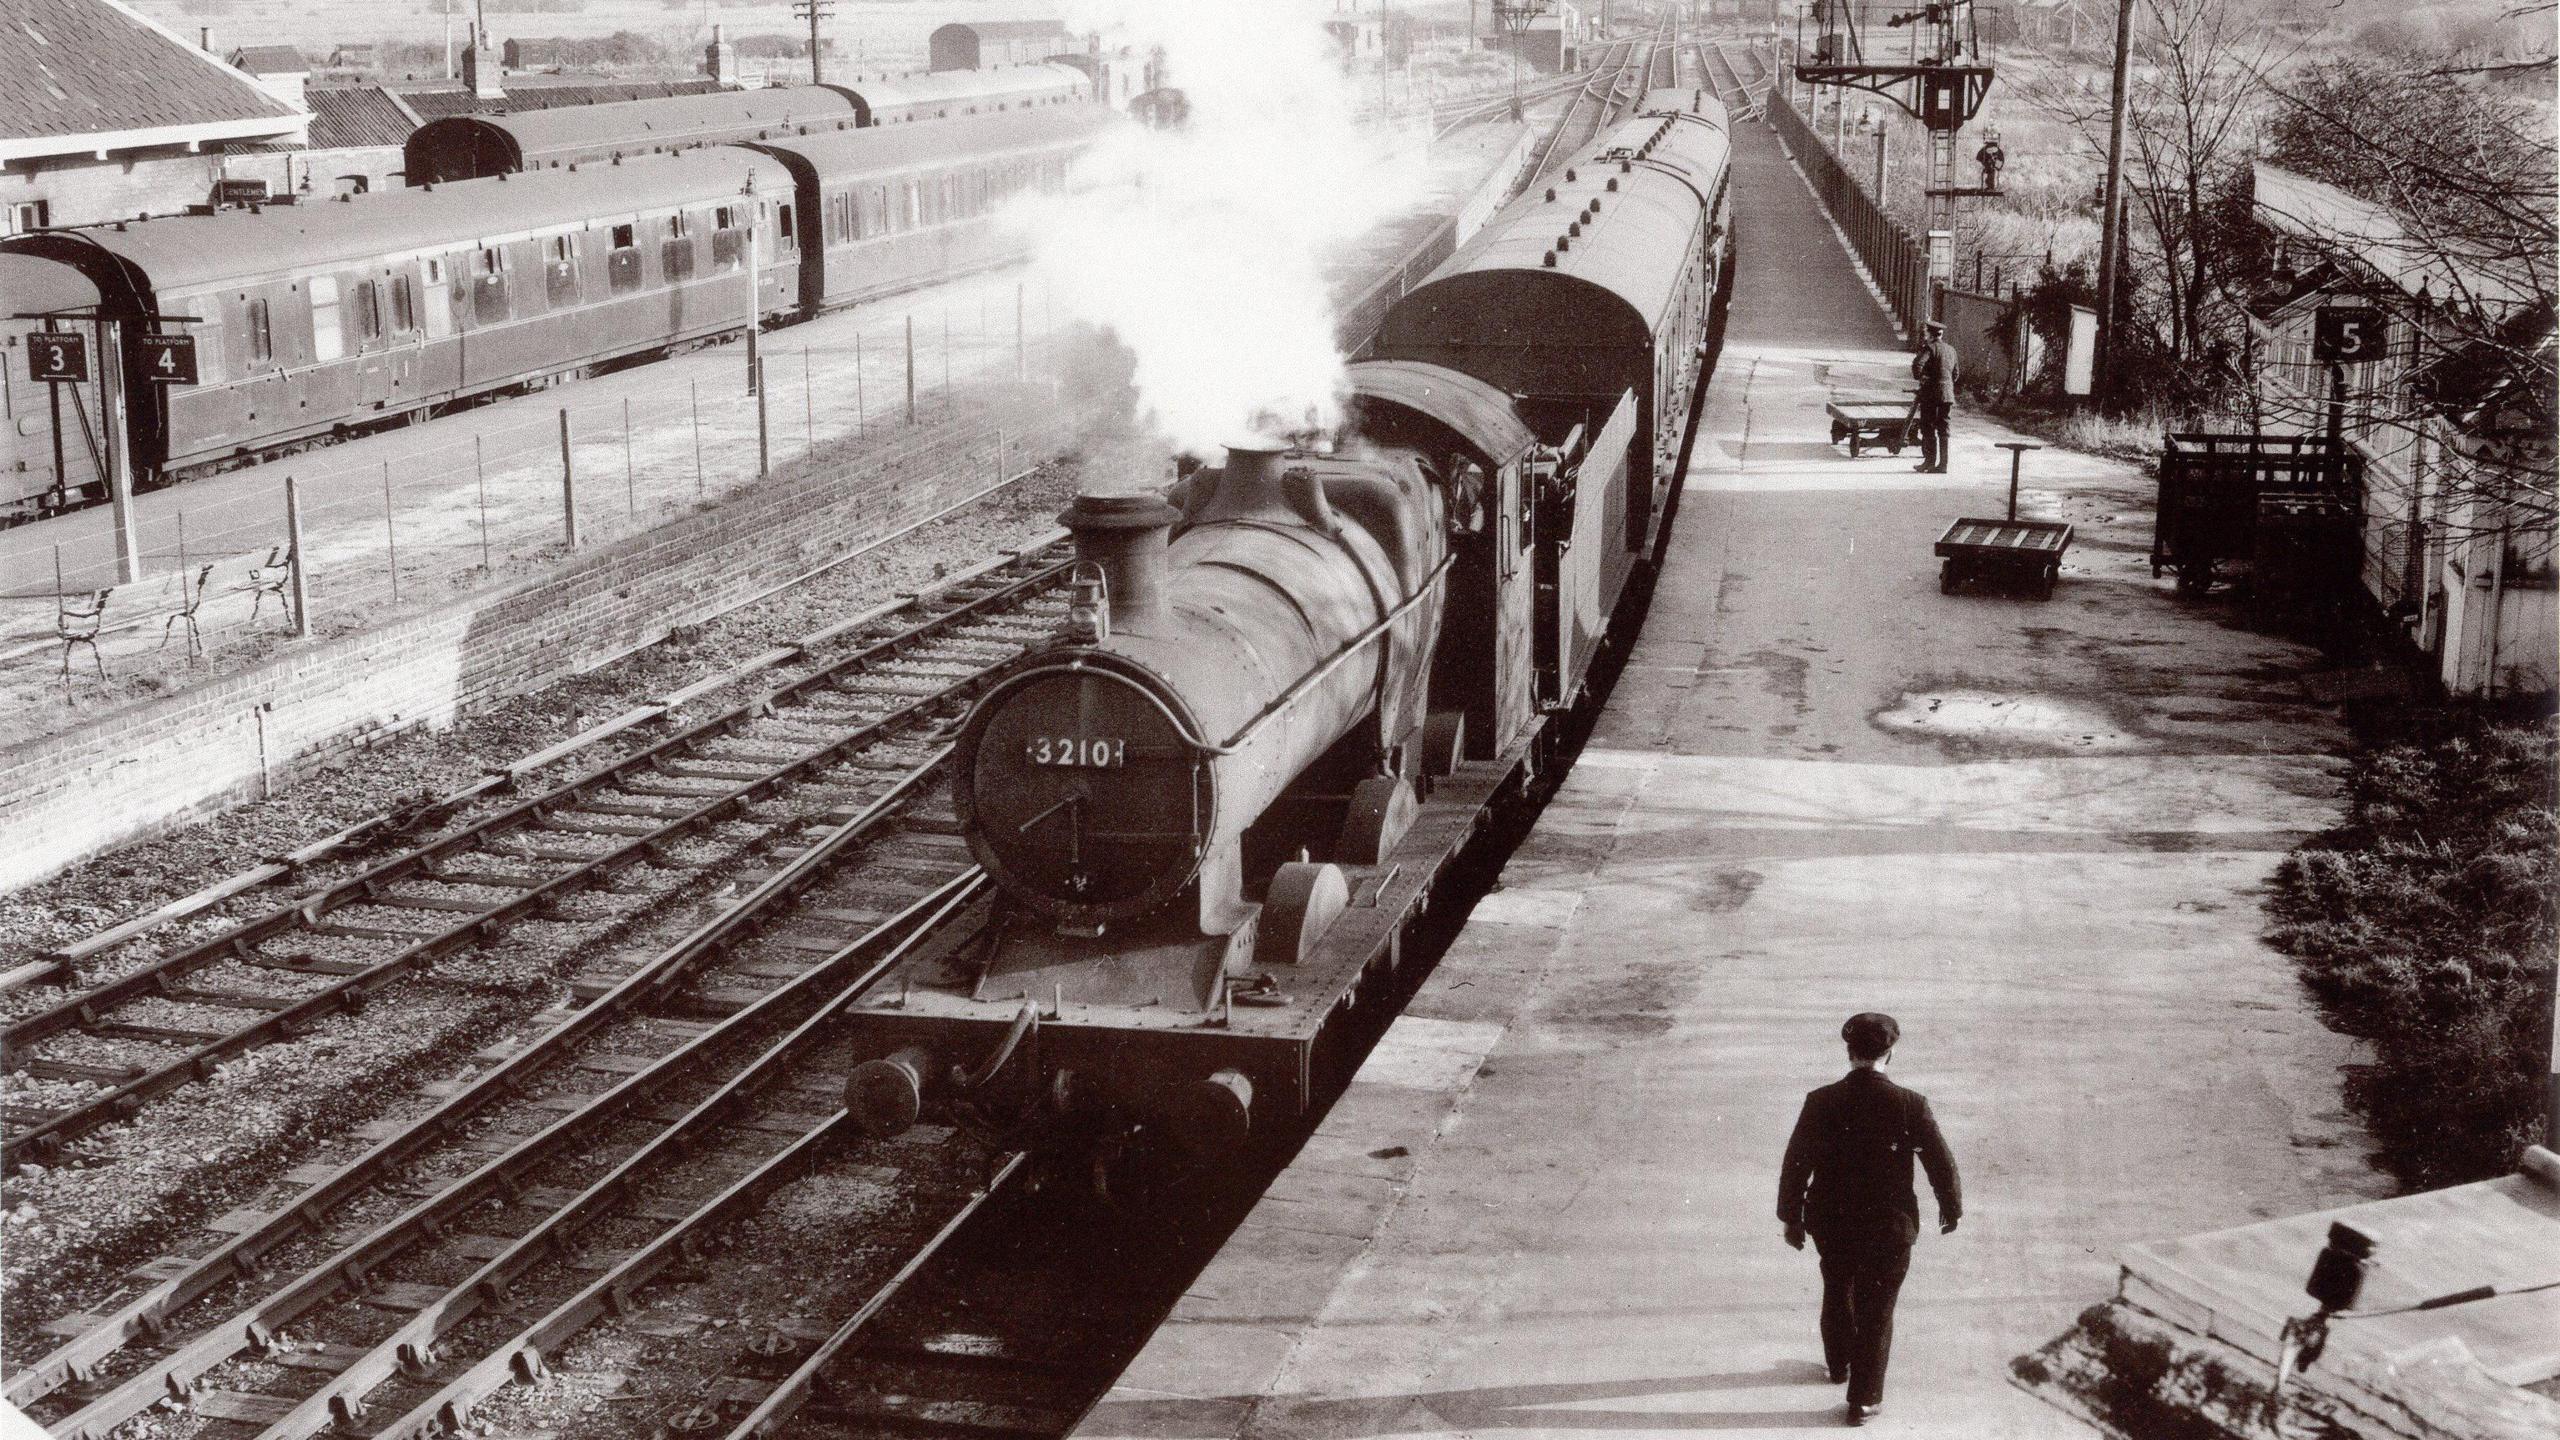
(1847, 1183)
(1935, 368)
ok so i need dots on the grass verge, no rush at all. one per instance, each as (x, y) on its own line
(2425, 925)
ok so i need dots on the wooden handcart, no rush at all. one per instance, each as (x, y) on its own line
(2027, 553)
(2213, 490)
(1873, 422)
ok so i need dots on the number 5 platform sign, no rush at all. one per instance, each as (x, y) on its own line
(2347, 334)
(57, 357)
(167, 359)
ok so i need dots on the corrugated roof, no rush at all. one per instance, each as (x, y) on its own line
(2353, 228)
(93, 67)
(440, 99)
(365, 116)
(270, 60)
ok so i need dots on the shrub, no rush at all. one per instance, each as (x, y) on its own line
(2425, 925)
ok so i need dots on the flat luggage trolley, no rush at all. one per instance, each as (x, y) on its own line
(2028, 552)
(1872, 422)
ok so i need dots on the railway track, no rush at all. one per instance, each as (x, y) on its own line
(554, 1182)
(1618, 79)
(1740, 84)
(104, 1053)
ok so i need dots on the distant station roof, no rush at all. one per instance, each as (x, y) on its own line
(433, 100)
(270, 60)
(358, 117)
(94, 76)
(971, 45)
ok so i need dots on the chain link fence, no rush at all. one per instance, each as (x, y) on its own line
(332, 538)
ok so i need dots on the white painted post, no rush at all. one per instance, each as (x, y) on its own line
(764, 426)
(119, 450)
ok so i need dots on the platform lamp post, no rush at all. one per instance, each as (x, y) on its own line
(1514, 18)
(755, 299)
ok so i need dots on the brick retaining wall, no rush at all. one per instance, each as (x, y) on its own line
(150, 768)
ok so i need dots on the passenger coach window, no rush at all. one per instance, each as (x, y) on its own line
(404, 305)
(622, 263)
(561, 275)
(262, 343)
(368, 313)
(328, 342)
(489, 300)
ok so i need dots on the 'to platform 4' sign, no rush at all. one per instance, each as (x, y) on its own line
(167, 359)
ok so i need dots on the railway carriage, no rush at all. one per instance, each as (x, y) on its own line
(891, 207)
(475, 147)
(1298, 683)
(327, 318)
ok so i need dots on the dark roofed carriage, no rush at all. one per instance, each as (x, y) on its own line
(469, 146)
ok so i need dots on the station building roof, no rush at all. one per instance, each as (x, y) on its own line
(96, 76)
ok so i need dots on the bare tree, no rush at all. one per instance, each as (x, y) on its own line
(2459, 161)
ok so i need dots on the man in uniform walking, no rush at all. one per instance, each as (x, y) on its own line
(1935, 368)
(1847, 1183)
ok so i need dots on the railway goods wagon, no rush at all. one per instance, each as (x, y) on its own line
(892, 208)
(473, 147)
(316, 320)
(1293, 687)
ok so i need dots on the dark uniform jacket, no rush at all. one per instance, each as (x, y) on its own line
(1848, 1166)
(1935, 368)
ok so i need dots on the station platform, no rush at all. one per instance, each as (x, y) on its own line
(2033, 831)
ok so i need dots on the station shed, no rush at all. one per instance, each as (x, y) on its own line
(116, 115)
(985, 44)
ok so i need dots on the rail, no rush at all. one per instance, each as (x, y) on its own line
(579, 806)
(803, 1006)
(1895, 259)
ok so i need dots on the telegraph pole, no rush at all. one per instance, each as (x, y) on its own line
(2111, 225)
(813, 11)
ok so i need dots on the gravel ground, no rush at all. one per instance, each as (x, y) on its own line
(133, 1190)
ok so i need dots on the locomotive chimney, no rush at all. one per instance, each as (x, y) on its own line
(1125, 535)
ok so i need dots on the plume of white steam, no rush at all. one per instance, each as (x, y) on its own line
(1201, 248)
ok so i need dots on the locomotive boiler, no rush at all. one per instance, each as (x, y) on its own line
(1296, 684)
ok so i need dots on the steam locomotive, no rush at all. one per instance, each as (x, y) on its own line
(1294, 684)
